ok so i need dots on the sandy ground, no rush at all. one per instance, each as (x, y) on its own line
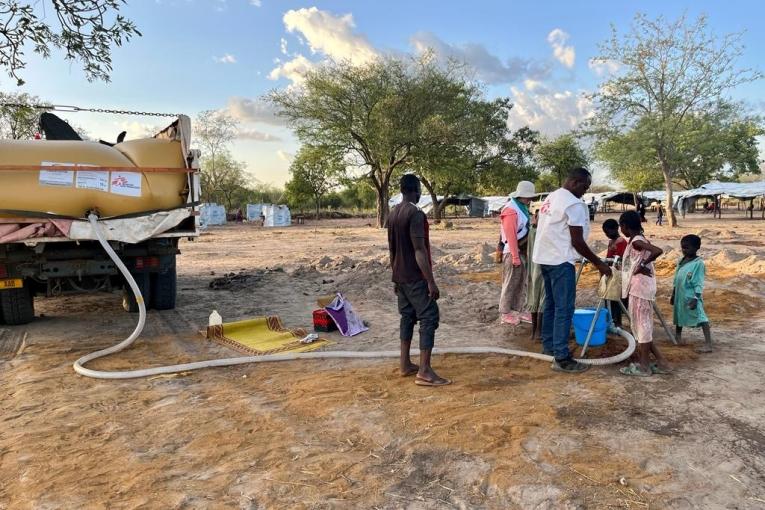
(509, 433)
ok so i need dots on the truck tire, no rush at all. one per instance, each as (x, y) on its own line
(17, 305)
(164, 286)
(129, 302)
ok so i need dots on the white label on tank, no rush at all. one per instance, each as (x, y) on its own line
(56, 177)
(126, 183)
(91, 179)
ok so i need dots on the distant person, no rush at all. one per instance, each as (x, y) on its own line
(262, 219)
(687, 295)
(239, 216)
(660, 216)
(593, 208)
(514, 230)
(535, 294)
(616, 246)
(639, 284)
(415, 286)
(641, 211)
(560, 243)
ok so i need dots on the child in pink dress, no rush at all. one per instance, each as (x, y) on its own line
(639, 284)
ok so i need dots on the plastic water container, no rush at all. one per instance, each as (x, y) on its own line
(583, 318)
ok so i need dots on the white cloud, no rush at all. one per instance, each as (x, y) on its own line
(532, 84)
(566, 55)
(259, 136)
(253, 110)
(283, 46)
(285, 156)
(604, 67)
(294, 70)
(226, 59)
(256, 3)
(552, 112)
(137, 129)
(488, 67)
(330, 35)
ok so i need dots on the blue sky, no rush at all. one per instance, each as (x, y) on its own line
(225, 54)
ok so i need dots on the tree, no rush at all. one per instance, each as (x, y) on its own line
(85, 30)
(466, 140)
(20, 121)
(357, 194)
(222, 176)
(720, 145)
(315, 172)
(373, 114)
(214, 131)
(225, 181)
(559, 156)
(500, 176)
(668, 71)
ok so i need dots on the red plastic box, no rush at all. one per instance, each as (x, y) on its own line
(323, 322)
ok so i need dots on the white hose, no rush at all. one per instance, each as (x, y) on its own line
(226, 362)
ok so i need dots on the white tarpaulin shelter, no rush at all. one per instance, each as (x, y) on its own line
(740, 190)
(496, 203)
(425, 203)
(211, 214)
(254, 211)
(277, 216)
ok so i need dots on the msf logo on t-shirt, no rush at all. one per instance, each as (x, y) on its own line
(545, 209)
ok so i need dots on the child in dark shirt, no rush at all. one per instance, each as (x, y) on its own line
(616, 246)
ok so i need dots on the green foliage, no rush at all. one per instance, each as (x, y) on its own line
(227, 182)
(557, 157)
(19, 122)
(315, 171)
(499, 176)
(721, 145)
(469, 144)
(357, 195)
(85, 30)
(401, 114)
(667, 73)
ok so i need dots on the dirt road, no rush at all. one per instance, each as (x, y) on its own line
(508, 434)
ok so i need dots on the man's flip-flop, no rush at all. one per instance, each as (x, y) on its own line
(633, 369)
(410, 372)
(656, 369)
(439, 382)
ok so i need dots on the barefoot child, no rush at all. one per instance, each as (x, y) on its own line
(687, 298)
(639, 283)
(616, 246)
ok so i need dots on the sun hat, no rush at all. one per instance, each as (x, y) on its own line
(525, 189)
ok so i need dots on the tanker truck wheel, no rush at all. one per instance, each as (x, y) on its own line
(17, 305)
(144, 285)
(163, 287)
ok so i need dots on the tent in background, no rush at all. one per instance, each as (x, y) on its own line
(254, 211)
(277, 216)
(211, 214)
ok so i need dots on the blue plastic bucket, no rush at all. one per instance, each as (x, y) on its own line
(583, 319)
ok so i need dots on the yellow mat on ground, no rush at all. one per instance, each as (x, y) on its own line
(262, 335)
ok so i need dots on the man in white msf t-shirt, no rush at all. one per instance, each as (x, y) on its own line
(563, 227)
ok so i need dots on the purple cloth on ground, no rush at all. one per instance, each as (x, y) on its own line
(346, 319)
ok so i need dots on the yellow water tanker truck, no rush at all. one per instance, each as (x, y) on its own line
(142, 196)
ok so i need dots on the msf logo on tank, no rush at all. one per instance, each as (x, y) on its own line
(126, 181)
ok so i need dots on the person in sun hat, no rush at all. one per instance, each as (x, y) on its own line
(515, 222)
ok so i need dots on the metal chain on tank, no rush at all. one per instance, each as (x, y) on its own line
(74, 109)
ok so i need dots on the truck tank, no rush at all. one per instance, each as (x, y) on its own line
(103, 180)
